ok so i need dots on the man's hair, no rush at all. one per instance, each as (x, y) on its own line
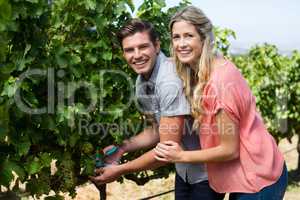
(135, 26)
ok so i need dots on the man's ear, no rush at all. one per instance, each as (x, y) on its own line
(157, 46)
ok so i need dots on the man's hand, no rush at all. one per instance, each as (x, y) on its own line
(115, 157)
(106, 175)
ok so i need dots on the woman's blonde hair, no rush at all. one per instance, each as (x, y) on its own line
(201, 74)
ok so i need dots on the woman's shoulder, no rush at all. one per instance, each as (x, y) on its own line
(219, 61)
(225, 71)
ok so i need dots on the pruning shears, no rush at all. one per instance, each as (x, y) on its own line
(99, 162)
(100, 156)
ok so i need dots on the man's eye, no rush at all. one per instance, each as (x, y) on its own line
(143, 47)
(175, 37)
(128, 50)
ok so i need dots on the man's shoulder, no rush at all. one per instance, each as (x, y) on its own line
(168, 82)
(167, 70)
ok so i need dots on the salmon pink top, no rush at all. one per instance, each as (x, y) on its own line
(260, 162)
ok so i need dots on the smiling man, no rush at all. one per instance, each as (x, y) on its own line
(159, 92)
(141, 53)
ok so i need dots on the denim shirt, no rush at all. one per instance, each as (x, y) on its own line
(162, 95)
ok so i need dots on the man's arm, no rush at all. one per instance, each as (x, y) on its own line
(173, 109)
(170, 129)
(148, 138)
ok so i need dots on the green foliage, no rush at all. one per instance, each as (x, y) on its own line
(275, 81)
(51, 55)
(221, 41)
(62, 59)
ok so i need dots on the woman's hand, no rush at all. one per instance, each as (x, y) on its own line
(168, 151)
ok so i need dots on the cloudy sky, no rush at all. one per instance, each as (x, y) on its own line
(254, 21)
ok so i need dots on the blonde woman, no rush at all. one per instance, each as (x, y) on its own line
(241, 156)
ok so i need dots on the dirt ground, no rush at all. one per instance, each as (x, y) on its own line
(130, 191)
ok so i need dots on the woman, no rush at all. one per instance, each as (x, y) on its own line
(242, 157)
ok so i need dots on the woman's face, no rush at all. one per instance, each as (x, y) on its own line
(187, 43)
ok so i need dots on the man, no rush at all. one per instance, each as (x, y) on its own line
(159, 92)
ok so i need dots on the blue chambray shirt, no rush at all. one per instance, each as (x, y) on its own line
(162, 95)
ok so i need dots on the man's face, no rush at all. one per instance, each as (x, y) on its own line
(140, 53)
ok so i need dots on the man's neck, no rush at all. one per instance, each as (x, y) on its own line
(148, 75)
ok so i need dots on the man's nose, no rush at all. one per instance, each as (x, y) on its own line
(137, 53)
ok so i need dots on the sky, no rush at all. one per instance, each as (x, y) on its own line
(254, 21)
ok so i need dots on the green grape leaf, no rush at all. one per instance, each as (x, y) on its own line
(33, 167)
(23, 147)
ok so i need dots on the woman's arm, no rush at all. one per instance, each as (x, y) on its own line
(227, 150)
